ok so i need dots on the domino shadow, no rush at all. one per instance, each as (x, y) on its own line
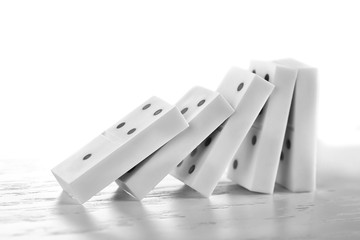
(229, 188)
(121, 196)
(235, 189)
(184, 192)
(223, 188)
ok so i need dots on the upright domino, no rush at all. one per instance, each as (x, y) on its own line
(255, 164)
(297, 168)
(203, 168)
(204, 110)
(118, 149)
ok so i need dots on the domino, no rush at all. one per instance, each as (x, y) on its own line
(297, 168)
(119, 148)
(204, 110)
(256, 162)
(203, 168)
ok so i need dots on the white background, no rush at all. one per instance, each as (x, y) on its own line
(70, 69)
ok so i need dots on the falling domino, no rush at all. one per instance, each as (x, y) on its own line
(255, 164)
(204, 110)
(203, 168)
(118, 149)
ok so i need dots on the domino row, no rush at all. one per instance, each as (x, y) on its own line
(259, 127)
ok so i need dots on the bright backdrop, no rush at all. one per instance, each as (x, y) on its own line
(70, 69)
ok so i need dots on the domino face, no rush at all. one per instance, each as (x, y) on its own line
(119, 148)
(204, 110)
(203, 168)
(297, 168)
(255, 163)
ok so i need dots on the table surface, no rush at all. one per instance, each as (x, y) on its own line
(32, 206)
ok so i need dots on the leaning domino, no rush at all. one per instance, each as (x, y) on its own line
(204, 110)
(256, 162)
(203, 168)
(118, 149)
(297, 168)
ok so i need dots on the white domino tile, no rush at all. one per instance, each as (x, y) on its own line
(203, 168)
(297, 168)
(119, 148)
(204, 110)
(256, 161)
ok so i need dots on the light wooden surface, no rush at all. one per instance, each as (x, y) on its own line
(33, 207)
